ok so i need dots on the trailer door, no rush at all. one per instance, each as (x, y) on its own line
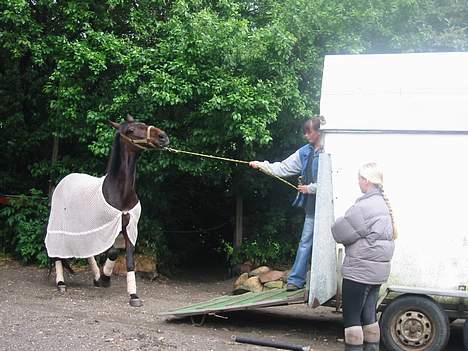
(323, 277)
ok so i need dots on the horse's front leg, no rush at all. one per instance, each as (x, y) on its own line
(131, 282)
(59, 279)
(130, 258)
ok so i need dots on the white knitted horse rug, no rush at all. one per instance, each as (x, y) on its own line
(81, 223)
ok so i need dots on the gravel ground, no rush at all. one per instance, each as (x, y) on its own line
(34, 316)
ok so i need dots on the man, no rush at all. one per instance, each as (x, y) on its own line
(303, 162)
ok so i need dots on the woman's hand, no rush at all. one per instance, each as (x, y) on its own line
(303, 189)
(254, 164)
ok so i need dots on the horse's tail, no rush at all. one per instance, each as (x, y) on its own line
(67, 266)
(50, 266)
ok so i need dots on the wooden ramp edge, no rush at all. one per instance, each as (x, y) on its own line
(251, 300)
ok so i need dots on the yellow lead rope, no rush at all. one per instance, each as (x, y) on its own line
(203, 155)
(279, 178)
(228, 160)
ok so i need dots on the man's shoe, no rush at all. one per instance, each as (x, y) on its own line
(292, 287)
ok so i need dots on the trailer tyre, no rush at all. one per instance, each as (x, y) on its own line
(416, 323)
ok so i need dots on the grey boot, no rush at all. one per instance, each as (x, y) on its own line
(349, 347)
(371, 346)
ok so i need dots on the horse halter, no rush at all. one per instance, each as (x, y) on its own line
(143, 144)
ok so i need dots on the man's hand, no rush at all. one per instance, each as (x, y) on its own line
(303, 189)
(254, 164)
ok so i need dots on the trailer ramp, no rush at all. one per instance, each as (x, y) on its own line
(251, 300)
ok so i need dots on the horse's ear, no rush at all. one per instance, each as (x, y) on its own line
(130, 118)
(115, 125)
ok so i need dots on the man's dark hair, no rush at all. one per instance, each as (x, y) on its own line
(313, 123)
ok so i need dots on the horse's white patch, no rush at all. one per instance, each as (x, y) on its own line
(94, 267)
(81, 223)
(59, 272)
(131, 283)
(108, 267)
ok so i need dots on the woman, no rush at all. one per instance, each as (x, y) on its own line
(368, 232)
(303, 162)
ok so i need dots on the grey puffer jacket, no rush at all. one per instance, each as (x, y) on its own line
(366, 231)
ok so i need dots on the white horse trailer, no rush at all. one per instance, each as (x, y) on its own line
(409, 113)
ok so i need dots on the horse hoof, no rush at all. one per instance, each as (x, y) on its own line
(61, 287)
(104, 281)
(96, 283)
(136, 302)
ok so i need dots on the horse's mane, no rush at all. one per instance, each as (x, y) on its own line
(114, 160)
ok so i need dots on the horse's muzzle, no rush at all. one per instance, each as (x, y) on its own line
(163, 139)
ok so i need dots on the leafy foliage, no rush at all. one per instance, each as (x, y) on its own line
(261, 251)
(153, 242)
(26, 218)
(235, 78)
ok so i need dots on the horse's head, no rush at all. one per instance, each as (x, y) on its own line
(141, 135)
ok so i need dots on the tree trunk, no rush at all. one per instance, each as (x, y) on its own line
(239, 221)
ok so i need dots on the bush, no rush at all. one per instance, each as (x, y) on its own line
(272, 239)
(26, 218)
(153, 242)
(262, 250)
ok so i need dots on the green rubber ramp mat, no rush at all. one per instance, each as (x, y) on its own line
(276, 297)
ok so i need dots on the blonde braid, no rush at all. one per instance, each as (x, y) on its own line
(387, 201)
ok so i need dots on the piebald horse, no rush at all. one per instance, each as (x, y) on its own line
(88, 213)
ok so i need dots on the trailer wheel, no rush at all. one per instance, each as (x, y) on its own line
(416, 323)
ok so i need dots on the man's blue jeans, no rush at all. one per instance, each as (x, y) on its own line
(304, 252)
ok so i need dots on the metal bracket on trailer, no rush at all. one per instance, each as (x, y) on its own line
(203, 318)
(383, 297)
(200, 323)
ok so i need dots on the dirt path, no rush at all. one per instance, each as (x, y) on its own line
(33, 316)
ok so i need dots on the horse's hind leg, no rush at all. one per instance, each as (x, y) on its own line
(95, 269)
(59, 279)
(105, 279)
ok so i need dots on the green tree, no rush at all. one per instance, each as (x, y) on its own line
(234, 78)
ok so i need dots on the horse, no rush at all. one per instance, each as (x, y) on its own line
(88, 213)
